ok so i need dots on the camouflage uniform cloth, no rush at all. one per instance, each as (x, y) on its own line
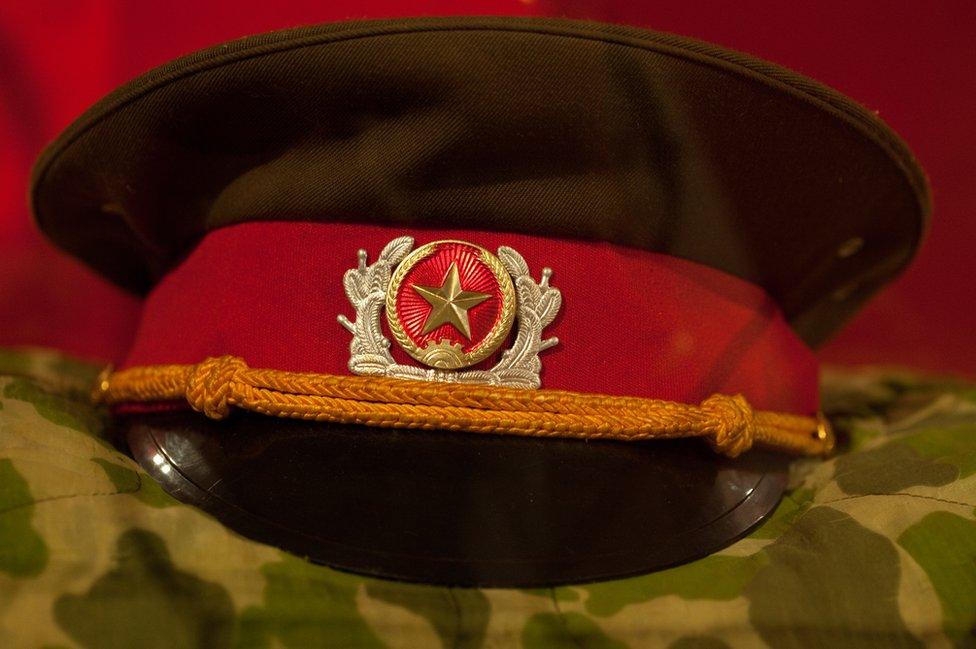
(875, 547)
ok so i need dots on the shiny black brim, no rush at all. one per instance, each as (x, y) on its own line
(459, 509)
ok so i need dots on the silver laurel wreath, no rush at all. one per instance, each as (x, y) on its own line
(518, 367)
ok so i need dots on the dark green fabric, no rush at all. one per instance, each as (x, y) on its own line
(551, 127)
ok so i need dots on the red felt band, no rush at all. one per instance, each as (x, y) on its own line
(632, 322)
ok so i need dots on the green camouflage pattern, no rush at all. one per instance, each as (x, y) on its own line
(874, 547)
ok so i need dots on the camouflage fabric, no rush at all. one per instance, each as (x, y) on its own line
(875, 547)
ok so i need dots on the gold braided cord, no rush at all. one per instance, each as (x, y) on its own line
(216, 385)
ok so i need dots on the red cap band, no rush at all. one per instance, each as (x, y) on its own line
(632, 323)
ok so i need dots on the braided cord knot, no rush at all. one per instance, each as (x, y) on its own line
(734, 426)
(219, 384)
(210, 384)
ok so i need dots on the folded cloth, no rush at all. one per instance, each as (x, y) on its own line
(873, 547)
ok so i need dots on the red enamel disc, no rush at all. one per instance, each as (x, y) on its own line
(450, 304)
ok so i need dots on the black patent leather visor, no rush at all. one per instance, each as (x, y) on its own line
(459, 509)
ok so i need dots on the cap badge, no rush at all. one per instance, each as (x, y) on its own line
(449, 305)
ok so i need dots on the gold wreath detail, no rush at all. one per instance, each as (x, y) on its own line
(437, 354)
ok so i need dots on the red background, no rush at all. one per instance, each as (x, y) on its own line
(912, 62)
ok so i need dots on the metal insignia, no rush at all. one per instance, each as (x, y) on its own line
(449, 305)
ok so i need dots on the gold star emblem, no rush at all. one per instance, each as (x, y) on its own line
(449, 303)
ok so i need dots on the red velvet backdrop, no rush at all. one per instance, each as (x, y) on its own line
(912, 62)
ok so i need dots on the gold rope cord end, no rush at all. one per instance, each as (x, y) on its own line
(216, 385)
